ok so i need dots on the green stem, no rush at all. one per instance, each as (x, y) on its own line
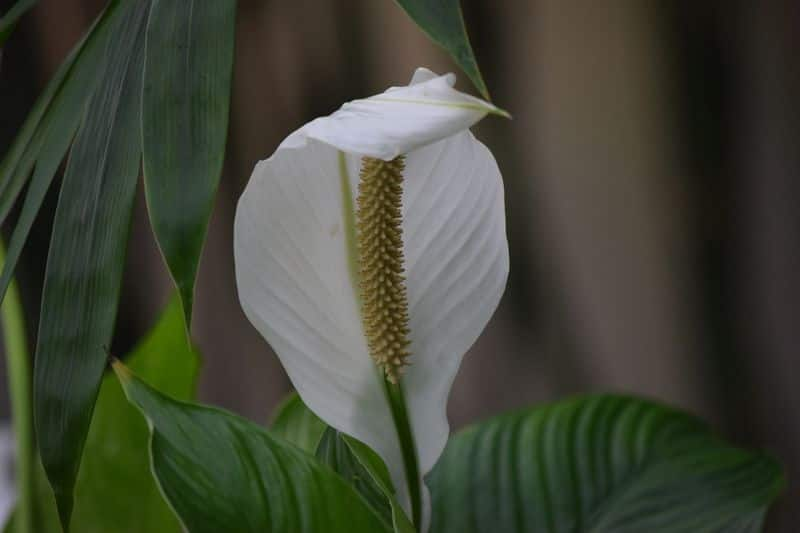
(397, 403)
(19, 386)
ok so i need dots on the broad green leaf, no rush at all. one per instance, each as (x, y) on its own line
(367, 473)
(376, 468)
(223, 473)
(52, 133)
(188, 69)
(9, 20)
(295, 422)
(116, 460)
(86, 257)
(336, 453)
(599, 464)
(352, 459)
(443, 22)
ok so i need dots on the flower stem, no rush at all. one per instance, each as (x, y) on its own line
(19, 386)
(397, 403)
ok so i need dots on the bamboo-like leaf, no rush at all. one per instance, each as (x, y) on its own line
(9, 20)
(188, 68)
(443, 22)
(49, 133)
(52, 121)
(223, 473)
(86, 257)
(599, 464)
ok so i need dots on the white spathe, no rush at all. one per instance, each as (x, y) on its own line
(292, 242)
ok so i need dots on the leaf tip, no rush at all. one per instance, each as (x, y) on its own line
(479, 83)
(64, 503)
(123, 372)
(187, 301)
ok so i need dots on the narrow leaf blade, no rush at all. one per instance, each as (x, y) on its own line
(19, 160)
(53, 133)
(223, 473)
(443, 22)
(10, 19)
(85, 260)
(188, 69)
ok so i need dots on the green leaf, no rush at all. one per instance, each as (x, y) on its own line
(376, 468)
(86, 257)
(116, 460)
(352, 459)
(223, 473)
(46, 518)
(443, 22)
(367, 473)
(49, 119)
(188, 69)
(18, 370)
(9, 20)
(48, 132)
(295, 422)
(336, 453)
(115, 490)
(599, 464)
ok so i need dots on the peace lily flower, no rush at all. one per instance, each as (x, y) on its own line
(370, 253)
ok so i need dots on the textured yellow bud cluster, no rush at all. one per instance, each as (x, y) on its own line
(380, 253)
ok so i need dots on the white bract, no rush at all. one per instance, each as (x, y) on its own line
(297, 263)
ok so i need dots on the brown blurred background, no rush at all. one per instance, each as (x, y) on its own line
(653, 199)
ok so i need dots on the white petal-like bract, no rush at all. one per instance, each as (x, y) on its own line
(293, 245)
(399, 120)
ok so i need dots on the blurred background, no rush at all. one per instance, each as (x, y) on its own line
(651, 172)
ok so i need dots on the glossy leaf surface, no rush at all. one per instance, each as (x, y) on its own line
(335, 452)
(223, 473)
(367, 473)
(599, 464)
(353, 460)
